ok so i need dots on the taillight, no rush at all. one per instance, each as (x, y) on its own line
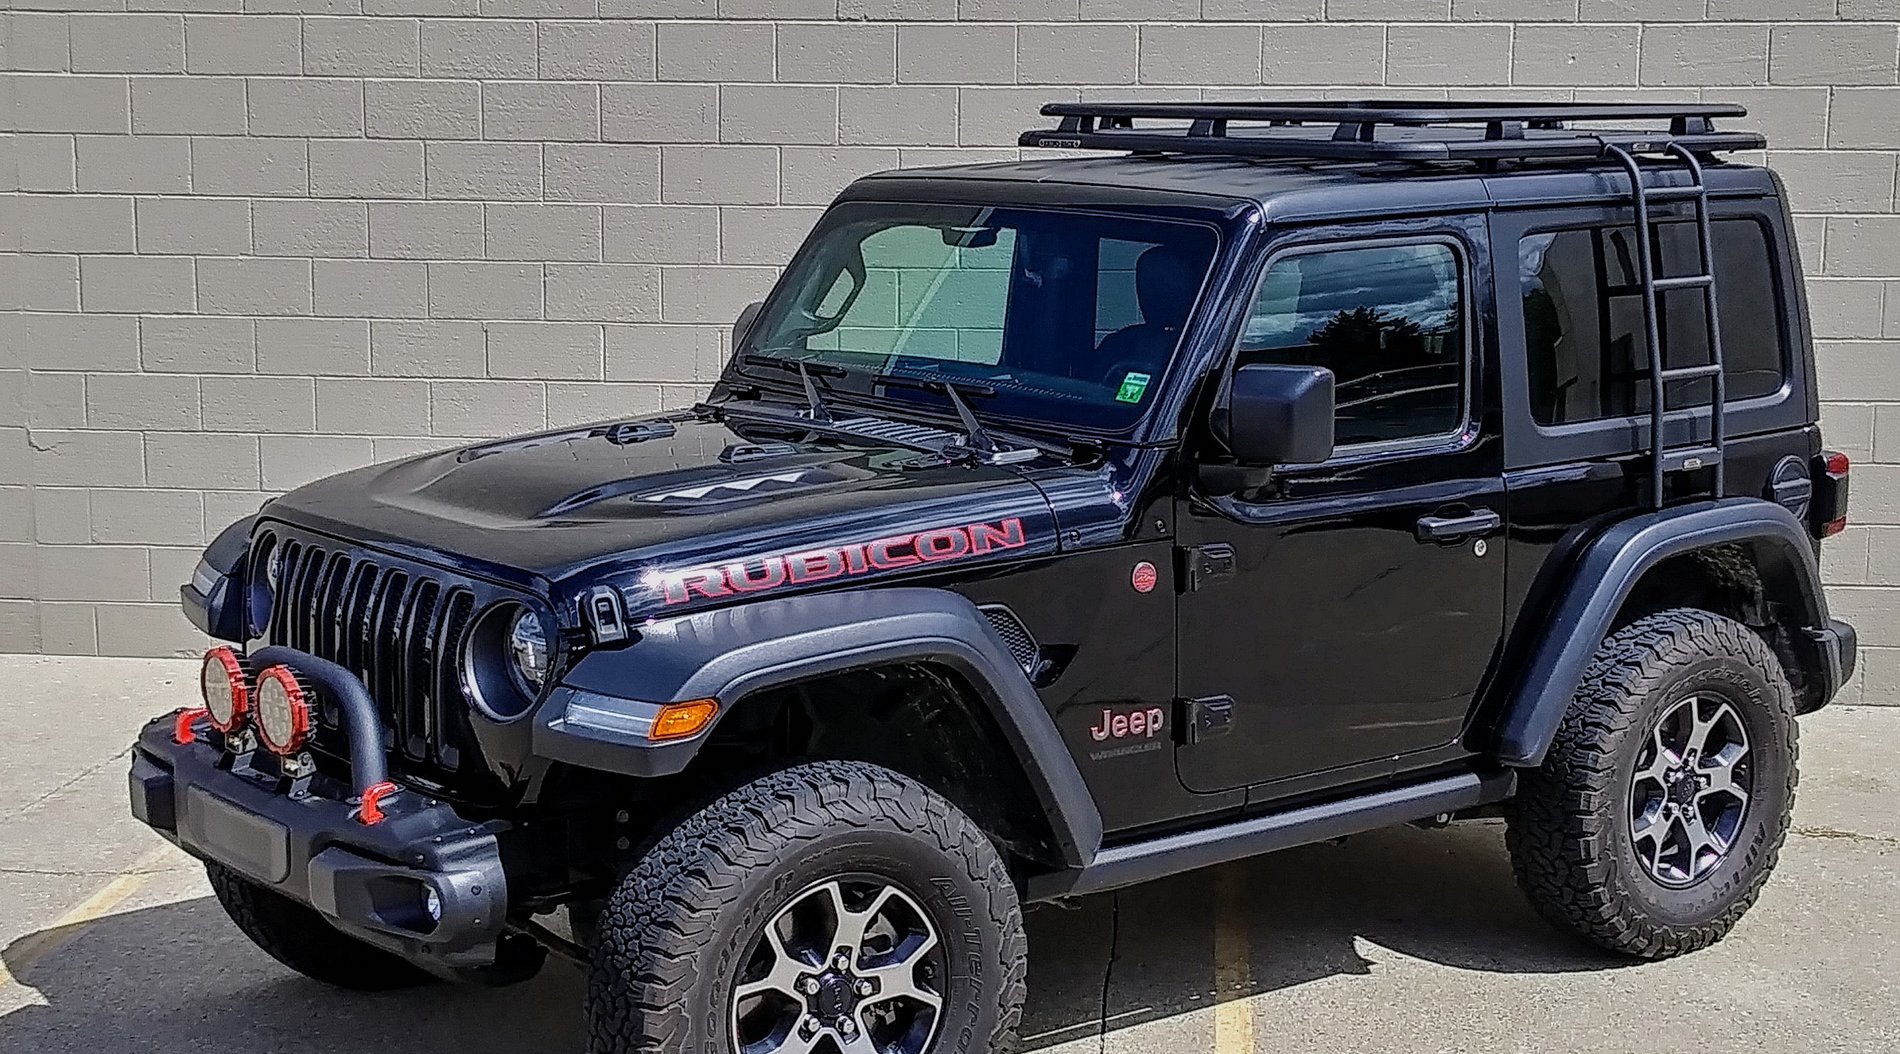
(226, 687)
(282, 711)
(1830, 505)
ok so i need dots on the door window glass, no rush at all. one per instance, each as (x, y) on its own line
(1586, 342)
(1388, 320)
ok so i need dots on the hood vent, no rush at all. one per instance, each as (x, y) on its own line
(898, 431)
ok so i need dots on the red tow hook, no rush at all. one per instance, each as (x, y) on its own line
(181, 726)
(370, 813)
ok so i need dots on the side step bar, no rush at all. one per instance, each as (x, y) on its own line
(1128, 865)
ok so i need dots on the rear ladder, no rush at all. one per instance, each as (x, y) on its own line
(1691, 456)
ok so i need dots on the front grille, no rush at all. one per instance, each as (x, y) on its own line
(397, 626)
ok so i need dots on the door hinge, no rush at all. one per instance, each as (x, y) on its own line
(1203, 719)
(1201, 564)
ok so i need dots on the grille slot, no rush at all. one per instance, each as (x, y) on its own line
(1022, 647)
(395, 626)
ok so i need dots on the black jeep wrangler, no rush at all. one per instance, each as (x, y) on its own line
(1289, 471)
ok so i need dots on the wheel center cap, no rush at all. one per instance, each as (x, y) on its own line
(834, 996)
(1683, 788)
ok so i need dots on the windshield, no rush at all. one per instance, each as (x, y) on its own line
(1067, 318)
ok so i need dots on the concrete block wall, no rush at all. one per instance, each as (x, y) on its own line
(244, 243)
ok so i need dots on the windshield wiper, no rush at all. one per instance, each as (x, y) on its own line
(805, 368)
(977, 441)
(801, 422)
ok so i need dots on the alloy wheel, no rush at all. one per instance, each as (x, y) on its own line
(849, 966)
(1690, 792)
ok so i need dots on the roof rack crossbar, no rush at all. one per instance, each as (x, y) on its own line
(1485, 132)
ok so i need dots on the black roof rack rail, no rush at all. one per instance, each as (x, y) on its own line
(1484, 132)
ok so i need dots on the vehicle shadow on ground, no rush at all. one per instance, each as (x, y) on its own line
(178, 977)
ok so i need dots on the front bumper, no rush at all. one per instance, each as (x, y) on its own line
(370, 881)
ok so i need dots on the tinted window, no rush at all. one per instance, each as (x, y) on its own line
(1587, 346)
(1389, 321)
(1070, 318)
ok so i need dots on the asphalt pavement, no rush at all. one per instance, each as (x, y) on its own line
(1400, 941)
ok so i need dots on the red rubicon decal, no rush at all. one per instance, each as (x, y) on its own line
(858, 558)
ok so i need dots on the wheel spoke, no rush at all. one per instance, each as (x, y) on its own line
(900, 982)
(1654, 825)
(1701, 838)
(1703, 727)
(782, 977)
(793, 1043)
(860, 1043)
(854, 925)
(1718, 772)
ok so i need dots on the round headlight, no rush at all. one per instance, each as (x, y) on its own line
(528, 652)
(227, 691)
(282, 712)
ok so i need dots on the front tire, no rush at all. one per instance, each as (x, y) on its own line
(1663, 803)
(726, 937)
(297, 936)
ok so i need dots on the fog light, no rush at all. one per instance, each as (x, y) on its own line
(226, 688)
(282, 711)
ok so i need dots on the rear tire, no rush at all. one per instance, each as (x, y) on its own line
(882, 897)
(297, 936)
(1663, 803)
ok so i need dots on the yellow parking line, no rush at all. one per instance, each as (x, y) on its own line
(1233, 968)
(36, 946)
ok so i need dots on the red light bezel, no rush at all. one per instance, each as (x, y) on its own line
(240, 689)
(1837, 464)
(299, 712)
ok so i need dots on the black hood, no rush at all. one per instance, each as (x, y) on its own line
(629, 504)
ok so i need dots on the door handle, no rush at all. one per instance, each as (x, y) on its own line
(1453, 528)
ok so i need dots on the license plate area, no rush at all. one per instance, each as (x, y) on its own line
(256, 845)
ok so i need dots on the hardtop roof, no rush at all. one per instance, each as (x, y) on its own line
(1305, 191)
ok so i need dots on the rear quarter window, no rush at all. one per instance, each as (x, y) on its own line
(1585, 339)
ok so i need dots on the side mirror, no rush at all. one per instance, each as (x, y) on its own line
(743, 325)
(1280, 415)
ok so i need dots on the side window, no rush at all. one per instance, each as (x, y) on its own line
(1388, 320)
(1587, 346)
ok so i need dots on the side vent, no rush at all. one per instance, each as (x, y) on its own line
(1022, 647)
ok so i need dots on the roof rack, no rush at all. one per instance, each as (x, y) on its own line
(1484, 132)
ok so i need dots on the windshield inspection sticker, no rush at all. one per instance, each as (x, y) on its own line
(1134, 386)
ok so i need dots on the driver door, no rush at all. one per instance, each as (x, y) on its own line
(1338, 617)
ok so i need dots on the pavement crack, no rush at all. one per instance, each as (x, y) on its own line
(1108, 971)
(69, 781)
(1846, 836)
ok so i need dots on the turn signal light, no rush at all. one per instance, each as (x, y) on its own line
(683, 720)
(282, 711)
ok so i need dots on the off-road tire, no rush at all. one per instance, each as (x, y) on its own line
(672, 936)
(300, 938)
(1569, 833)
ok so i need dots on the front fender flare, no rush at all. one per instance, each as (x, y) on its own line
(599, 716)
(1601, 579)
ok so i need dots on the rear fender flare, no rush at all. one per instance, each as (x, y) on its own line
(1601, 579)
(600, 715)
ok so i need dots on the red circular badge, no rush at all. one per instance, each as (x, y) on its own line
(1144, 577)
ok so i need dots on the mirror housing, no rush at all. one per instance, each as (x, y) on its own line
(743, 324)
(1280, 415)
